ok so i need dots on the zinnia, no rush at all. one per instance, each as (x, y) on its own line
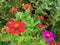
(48, 36)
(27, 6)
(41, 17)
(13, 10)
(9, 23)
(51, 43)
(39, 26)
(45, 26)
(58, 43)
(16, 27)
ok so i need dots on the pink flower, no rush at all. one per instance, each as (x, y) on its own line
(48, 36)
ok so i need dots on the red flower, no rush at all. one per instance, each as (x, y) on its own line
(13, 10)
(45, 26)
(39, 26)
(27, 6)
(41, 17)
(58, 43)
(51, 43)
(16, 27)
(10, 23)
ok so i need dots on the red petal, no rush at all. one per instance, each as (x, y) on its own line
(51, 43)
(58, 43)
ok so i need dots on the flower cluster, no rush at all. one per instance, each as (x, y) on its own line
(47, 35)
(30, 21)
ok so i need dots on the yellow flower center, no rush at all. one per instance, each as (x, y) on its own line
(47, 35)
(16, 25)
(23, 4)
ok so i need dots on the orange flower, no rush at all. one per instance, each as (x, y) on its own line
(26, 6)
(4, 29)
(13, 10)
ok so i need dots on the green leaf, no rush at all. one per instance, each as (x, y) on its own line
(19, 15)
(2, 0)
